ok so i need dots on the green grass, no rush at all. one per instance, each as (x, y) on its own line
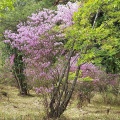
(31, 108)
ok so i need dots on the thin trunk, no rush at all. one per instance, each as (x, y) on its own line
(19, 72)
(58, 107)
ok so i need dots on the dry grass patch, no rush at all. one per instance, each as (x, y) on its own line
(17, 105)
(31, 108)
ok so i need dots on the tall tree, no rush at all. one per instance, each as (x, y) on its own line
(40, 40)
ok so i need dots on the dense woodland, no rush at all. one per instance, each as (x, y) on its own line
(59, 55)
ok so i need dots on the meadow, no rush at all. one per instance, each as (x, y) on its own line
(16, 107)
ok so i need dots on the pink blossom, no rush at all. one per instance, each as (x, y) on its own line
(12, 57)
(38, 41)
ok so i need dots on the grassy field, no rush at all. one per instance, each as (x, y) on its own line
(15, 107)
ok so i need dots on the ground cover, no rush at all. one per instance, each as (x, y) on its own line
(15, 107)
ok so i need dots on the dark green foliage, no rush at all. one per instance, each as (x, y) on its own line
(18, 71)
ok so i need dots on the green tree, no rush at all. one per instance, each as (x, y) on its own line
(97, 33)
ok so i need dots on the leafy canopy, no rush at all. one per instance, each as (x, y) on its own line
(6, 5)
(97, 31)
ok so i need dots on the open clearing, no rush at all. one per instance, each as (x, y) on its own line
(15, 107)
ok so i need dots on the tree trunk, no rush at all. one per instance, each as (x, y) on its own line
(19, 72)
(62, 97)
(62, 93)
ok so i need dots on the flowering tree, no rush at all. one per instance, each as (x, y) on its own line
(39, 41)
